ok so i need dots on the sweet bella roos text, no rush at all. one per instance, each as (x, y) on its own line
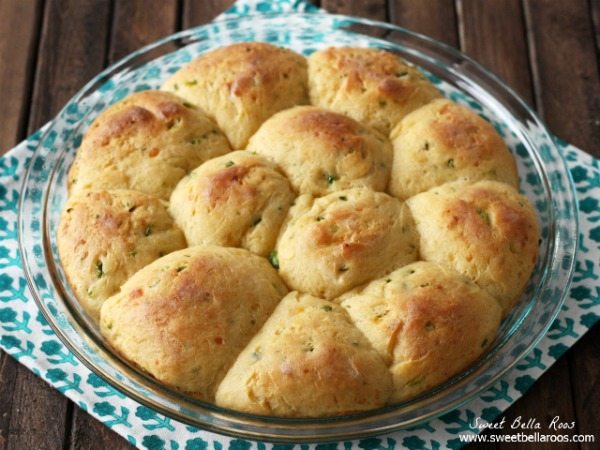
(520, 423)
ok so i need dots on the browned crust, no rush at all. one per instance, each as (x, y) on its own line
(260, 66)
(481, 212)
(227, 183)
(468, 136)
(339, 132)
(372, 68)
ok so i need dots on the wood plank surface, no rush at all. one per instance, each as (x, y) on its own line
(198, 13)
(584, 362)
(568, 87)
(433, 18)
(372, 9)
(72, 51)
(493, 33)
(137, 23)
(595, 7)
(547, 50)
(18, 45)
(543, 402)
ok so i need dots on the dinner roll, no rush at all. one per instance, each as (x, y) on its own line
(344, 239)
(308, 360)
(185, 317)
(370, 85)
(242, 85)
(104, 237)
(486, 231)
(391, 213)
(321, 151)
(236, 200)
(426, 321)
(146, 142)
(443, 141)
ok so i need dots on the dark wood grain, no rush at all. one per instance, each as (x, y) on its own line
(595, 8)
(18, 45)
(493, 33)
(550, 396)
(38, 416)
(372, 9)
(8, 375)
(434, 18)
(197, 13)
(89, 433)
(137, 23)
(584, 361)
(72, 51)
(566, 69)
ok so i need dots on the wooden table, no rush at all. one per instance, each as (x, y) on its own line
(547, 50)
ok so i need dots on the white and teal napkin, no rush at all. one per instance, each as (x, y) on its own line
(25, 335)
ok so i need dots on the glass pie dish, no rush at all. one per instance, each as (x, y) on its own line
(544, 179)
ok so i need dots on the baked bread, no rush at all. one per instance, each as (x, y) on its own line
(308, 360)
(242, 85)
(236, 200)
(426, 321)
(486, 231)
(104, 237)
(403, 256)
(370, 85)
(321, 151)
(185, 317)
(442, 142)
(146, 142)
(334, 243)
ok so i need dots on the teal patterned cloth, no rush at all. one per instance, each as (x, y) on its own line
(25, 335)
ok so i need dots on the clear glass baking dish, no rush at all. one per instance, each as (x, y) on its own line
(544, 179)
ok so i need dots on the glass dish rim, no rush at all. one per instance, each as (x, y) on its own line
(140, 397)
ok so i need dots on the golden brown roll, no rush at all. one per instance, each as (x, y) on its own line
(486, 231)
(242, 85)
(308, 360)
(236, 200)
(104, 237)
(426, 321)
(443, 141)
(146, 142)
(336, 200)
(370, 85)
(344, 239)
(321, 151)
(185, 317)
